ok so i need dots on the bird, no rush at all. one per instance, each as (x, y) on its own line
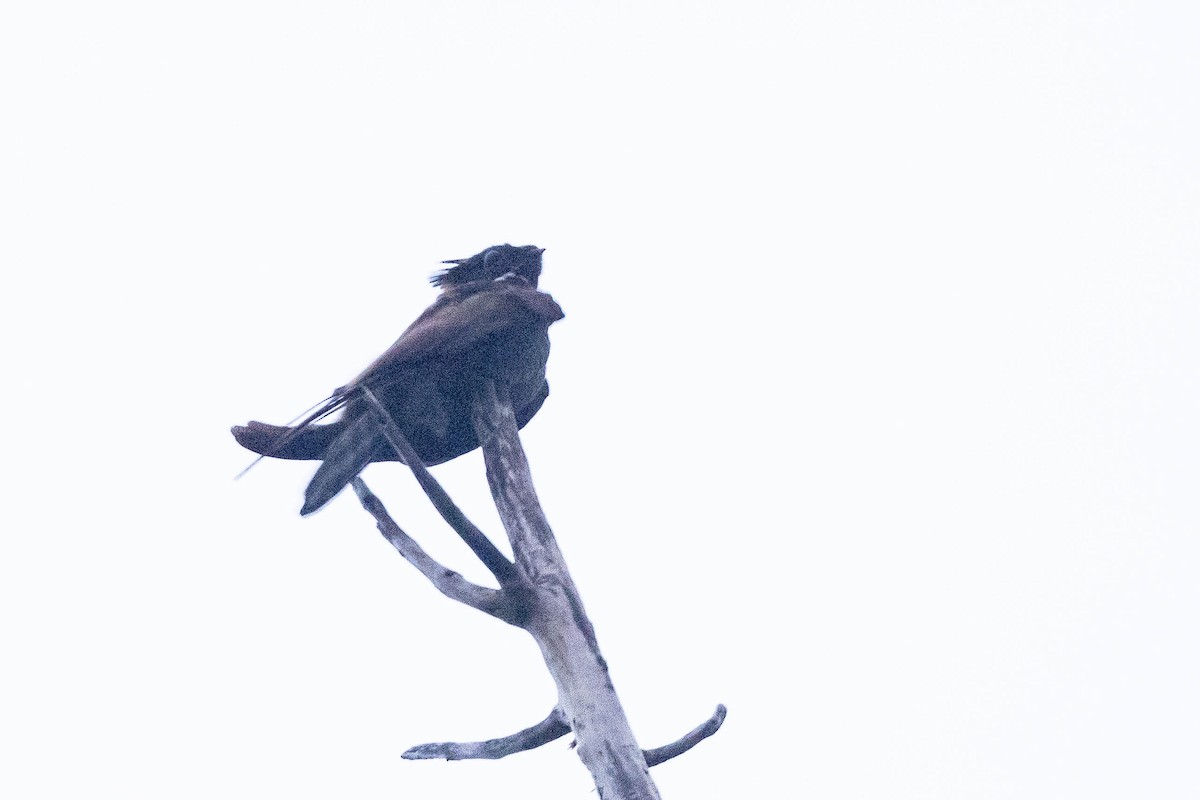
(490, 321)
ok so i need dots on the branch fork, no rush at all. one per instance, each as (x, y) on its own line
(536, 594)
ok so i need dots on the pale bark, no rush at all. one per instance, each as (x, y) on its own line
(491, 601)
(537, 594)
(557, 622)
(551, 728)
(688, 741)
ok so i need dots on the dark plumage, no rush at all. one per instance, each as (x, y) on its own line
(490, 321)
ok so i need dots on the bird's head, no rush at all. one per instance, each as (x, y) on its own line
(493, 263)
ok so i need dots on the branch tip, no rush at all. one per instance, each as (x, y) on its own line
(688, 741)
(549, 729)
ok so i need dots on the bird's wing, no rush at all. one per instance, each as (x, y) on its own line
(455, 323)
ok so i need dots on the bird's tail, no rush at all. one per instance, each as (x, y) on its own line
(304, 443)
(345, 457)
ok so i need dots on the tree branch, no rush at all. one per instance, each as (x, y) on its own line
(446, 581)
(475, 539)
(557, 620)
(549, 729)
(690, 740)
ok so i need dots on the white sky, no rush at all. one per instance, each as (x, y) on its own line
(874, 412)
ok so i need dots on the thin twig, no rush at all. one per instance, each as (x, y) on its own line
(549, 729)
(445, 580)
(475, 539)
(689, 740)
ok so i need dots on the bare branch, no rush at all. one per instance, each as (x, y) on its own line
(533, 543)
(445, 580)
(475, 539)
(549, 729)
(557, 621)
(690, 740)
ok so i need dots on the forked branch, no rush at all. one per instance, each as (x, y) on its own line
(551, 728)
(491, 601)
(475, 539)
(537, 594)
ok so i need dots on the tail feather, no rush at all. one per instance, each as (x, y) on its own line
(347, 446)
(280, 441)
(345, 457)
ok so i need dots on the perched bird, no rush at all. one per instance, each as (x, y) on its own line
(490, 321)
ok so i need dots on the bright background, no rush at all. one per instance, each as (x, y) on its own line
(874, 412)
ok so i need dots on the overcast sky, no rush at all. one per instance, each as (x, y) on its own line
(873, 413)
